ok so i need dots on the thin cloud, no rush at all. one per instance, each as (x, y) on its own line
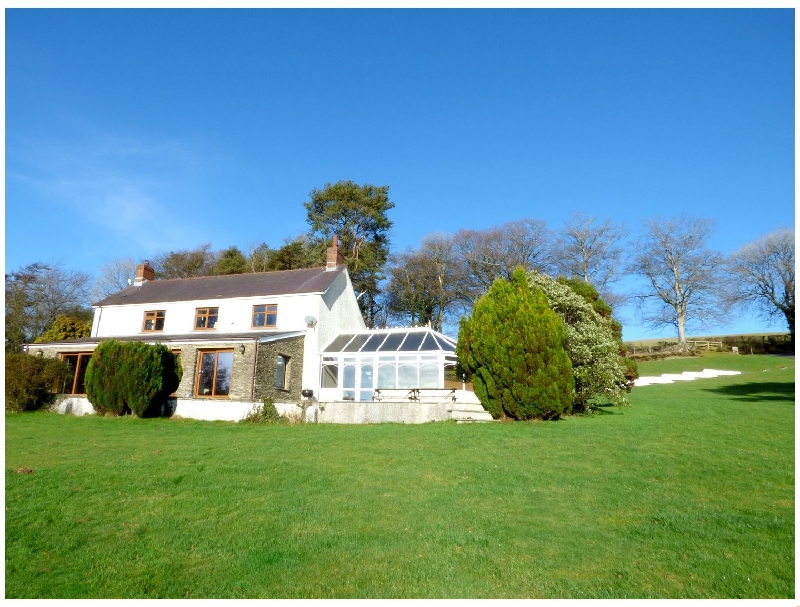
(115, 185)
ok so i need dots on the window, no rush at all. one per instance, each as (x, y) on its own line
(330, 372)
(214, 370)
(73, 383)
(154, 320)
(206, 318)
(265, 315)
(281, 374)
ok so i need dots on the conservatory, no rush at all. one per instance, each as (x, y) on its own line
(361, 366)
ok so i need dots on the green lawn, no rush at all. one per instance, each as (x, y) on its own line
(687, 493)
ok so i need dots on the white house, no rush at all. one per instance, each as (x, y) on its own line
(294, 336)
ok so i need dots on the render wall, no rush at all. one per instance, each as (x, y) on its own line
(235, 316)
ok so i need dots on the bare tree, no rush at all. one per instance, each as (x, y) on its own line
(683, 277)
(115, 275)
(494, 253)
(37, 294)
(423, 283)
(258, 256)
(763, 275)
(185, 263)
(590, 250)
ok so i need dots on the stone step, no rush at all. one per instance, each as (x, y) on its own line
(470, 414)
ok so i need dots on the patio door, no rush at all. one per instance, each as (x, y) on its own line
(214, 368)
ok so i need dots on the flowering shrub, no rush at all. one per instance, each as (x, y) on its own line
(599, 368)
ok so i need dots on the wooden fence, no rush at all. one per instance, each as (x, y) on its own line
(704, 345)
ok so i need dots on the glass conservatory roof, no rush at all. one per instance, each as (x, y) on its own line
(392, 340)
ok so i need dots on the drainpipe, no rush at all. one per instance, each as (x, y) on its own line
(253, 383)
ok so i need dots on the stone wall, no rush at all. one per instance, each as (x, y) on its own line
(266, 364)
(241, 375)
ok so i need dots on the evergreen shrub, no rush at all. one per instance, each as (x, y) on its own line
(512, 347)
(131, 377)
(31, 381)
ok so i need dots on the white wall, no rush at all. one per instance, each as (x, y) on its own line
(235, 316)
(337, 312)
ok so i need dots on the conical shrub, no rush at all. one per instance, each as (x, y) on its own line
(512, 346)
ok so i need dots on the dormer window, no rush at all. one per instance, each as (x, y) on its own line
(265, 316)
(206, 318)
(154, 320)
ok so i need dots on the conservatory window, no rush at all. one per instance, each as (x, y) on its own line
(330, 373)
(366, 385)
(349, 379)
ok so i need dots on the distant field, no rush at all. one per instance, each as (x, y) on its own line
(688, 493)
(674, 340)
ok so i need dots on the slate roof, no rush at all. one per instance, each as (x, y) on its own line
(284, 282)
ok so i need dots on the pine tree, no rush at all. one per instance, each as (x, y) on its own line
(513, 348)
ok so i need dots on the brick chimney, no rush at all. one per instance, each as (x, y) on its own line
(144, 272)
(335, 257)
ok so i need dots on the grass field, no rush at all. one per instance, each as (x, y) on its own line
(687, 493)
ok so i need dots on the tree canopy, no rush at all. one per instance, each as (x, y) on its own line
(358, 215)
(424, 284)
(184, 263)
(230, 261)
(65, 328)
(763, 275)
(36, 295)
(590, 249)
(683, 277)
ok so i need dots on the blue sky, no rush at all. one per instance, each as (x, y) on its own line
(130, 132)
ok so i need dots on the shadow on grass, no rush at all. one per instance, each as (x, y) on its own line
(758, 391)
(605, 409)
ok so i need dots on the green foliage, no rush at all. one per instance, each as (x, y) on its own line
(590, 294)
(513, 348)
(65, 328)
(297, 254)
(133, 377)
(184, 263)
(602, 528)
(357, 214)
(599, 367)
(266, 413)
(30, 381)
(230, 261)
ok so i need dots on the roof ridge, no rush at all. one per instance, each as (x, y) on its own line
(163, 280)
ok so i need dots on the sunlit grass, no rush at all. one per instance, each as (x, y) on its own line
(687, 493)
